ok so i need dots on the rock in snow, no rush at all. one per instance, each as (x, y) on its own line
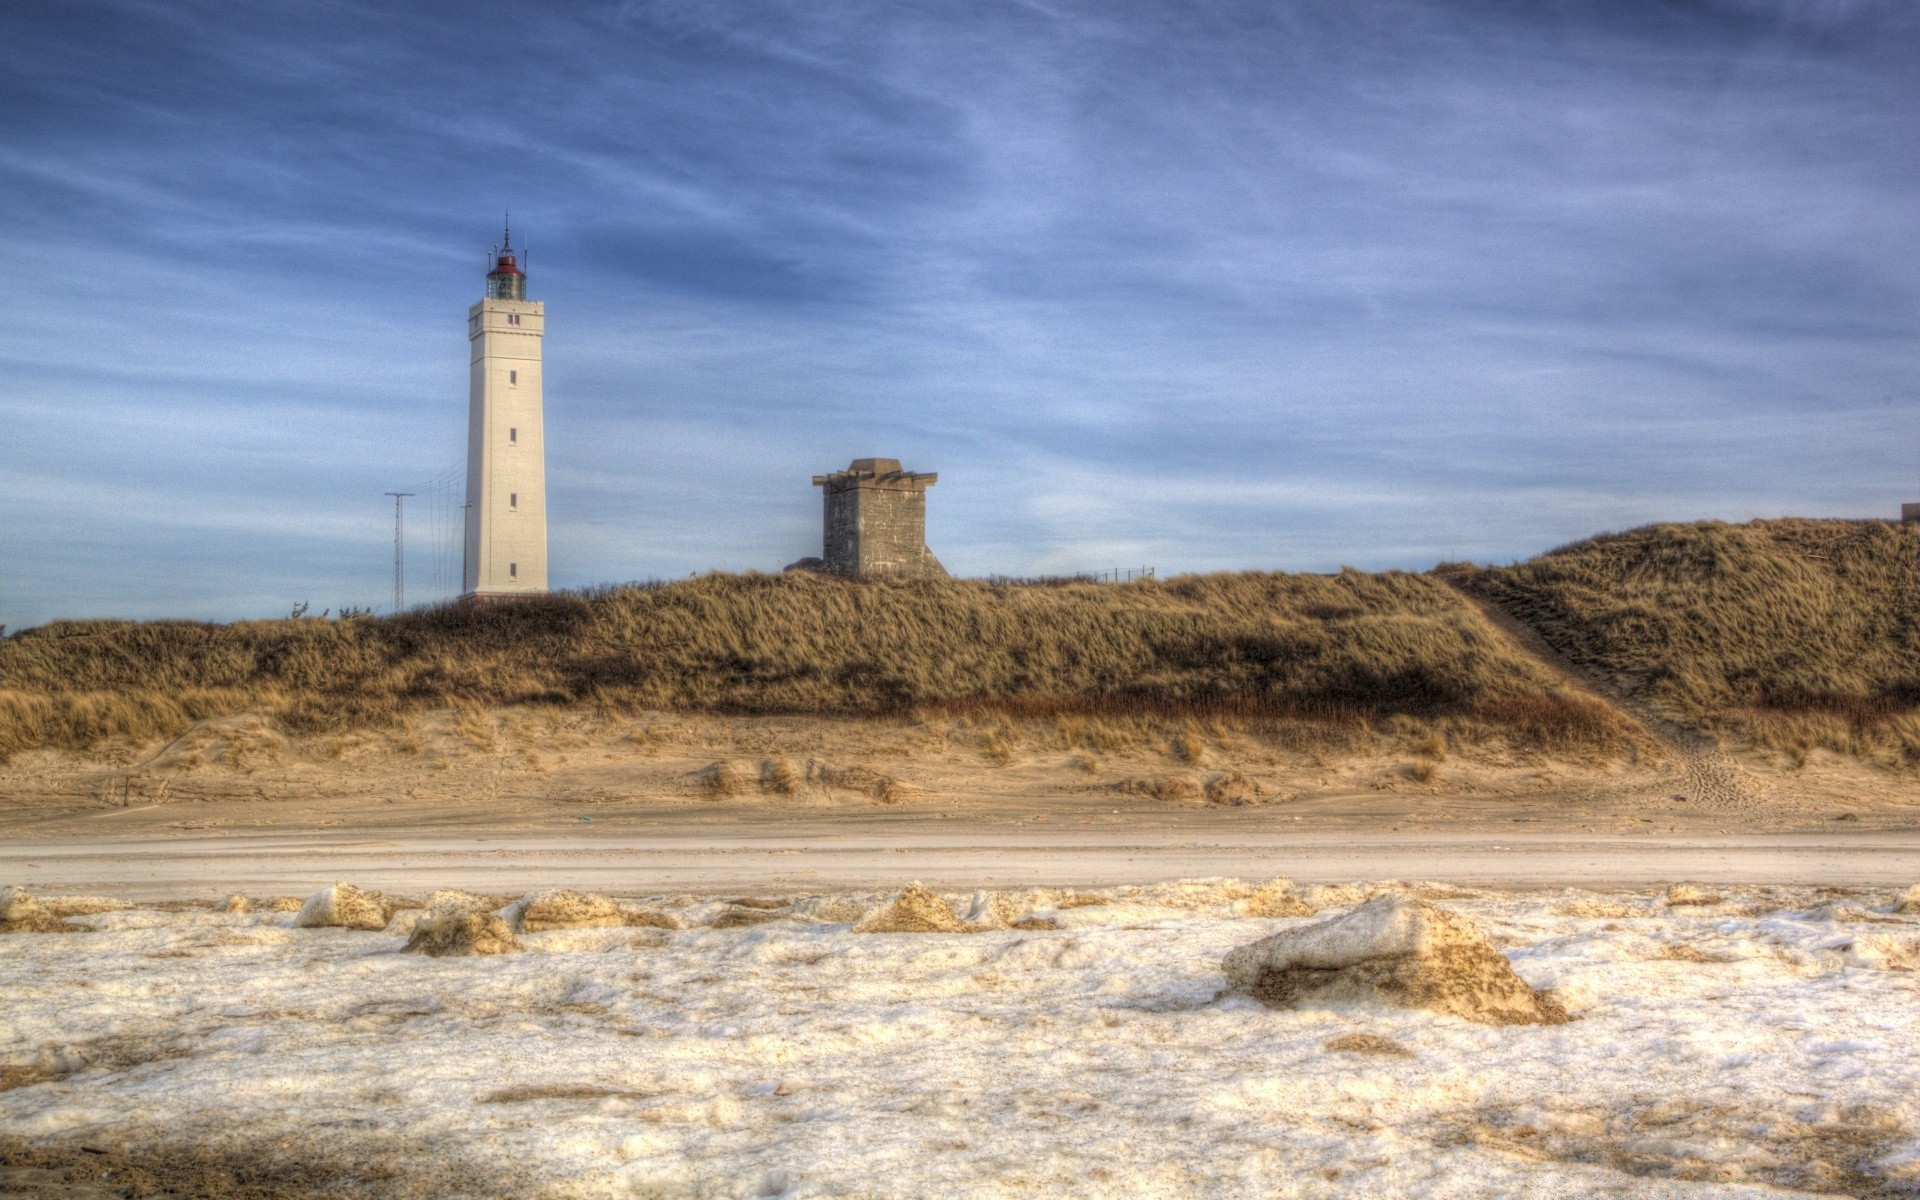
(21, 913)
(562, 908)
(737, 916)
(914, 910)
(342, 906)
(1686, 893)
(990, 910)
(1393, 951)
(455, 929)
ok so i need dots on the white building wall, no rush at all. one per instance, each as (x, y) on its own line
(506, 450)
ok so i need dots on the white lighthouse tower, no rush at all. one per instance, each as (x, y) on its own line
(506, 549)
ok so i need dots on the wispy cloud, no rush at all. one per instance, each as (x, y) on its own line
(1207, 286)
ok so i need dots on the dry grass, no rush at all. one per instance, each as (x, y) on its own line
(721, 779)
(1321, 652)
(1188, 748)
(779, 776)
(865, 780)
(1165, 788)
(1231, 787)
(1790, 635)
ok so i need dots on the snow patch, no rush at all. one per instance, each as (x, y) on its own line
(1721, 1052)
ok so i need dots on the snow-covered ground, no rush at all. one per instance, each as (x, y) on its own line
(1753, 1047)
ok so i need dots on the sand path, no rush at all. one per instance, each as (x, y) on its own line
(796, 855)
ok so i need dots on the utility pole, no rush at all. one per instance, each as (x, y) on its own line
(399, 552)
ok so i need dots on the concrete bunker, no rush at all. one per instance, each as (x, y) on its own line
(876, 523)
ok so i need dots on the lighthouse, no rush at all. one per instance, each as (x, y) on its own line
(506, 528)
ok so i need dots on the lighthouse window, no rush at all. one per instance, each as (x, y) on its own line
(513, 377)
(513, 499)
(513, 570)
(513, 437)
(513, 318)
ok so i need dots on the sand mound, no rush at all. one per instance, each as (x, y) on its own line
(236, 903)
(1393, 951)
(1909, 902)
(21, 913)
(342, 906)
(1681, 894)
(1276, 898)
(1366, 1043)
(283, 904)
(460, 930)
(914, 910)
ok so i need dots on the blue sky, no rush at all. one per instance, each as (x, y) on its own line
(1200, 286)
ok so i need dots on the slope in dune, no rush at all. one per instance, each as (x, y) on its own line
(1790, 634)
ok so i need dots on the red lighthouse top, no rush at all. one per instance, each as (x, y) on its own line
(506, 281)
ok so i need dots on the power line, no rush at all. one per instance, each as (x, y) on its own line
(399, 551)
(444, 495)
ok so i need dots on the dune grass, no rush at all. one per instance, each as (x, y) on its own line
(1790, 635)
(1353, 647)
